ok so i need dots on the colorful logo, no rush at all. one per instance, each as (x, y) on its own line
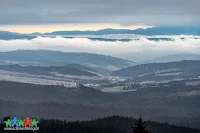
(21, 124)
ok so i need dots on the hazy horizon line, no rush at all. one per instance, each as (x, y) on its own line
(29, 29)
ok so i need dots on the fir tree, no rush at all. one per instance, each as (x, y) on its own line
(140, 126)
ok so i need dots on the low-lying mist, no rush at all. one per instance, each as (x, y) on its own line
(178, 44)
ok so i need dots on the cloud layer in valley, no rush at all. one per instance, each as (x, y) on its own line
(180, 44)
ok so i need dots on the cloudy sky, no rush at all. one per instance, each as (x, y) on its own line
(28, 16)
(47, 15)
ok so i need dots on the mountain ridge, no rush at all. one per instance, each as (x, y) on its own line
(173, 58)
(53, 58)
(139, 31)
(189, 30)
(150, 68)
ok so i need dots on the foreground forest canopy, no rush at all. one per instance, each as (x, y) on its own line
(173, 102)
(114, 124)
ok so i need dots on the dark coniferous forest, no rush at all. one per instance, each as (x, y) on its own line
(113, 124)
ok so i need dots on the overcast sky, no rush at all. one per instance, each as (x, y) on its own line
(27, 16)
(124, 12)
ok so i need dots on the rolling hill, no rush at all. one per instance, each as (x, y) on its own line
(174, 57)
(152, 68)
(164, 103)
(55, 58)
(71, 69)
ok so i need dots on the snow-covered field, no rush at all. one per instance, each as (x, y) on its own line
(117, 89)
(77, 77)
(34, 79)
(169, 74)
(194, 83)
(163, 81)
(188, 93)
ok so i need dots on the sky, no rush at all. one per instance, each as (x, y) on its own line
(28, 16)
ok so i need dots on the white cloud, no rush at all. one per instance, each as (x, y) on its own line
(190, 44)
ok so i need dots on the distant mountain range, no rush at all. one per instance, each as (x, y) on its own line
(55, 58)
(148, 31)
(4, 35)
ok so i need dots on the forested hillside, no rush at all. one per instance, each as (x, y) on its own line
(69, 69)
(182, 66)
(114, 124)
